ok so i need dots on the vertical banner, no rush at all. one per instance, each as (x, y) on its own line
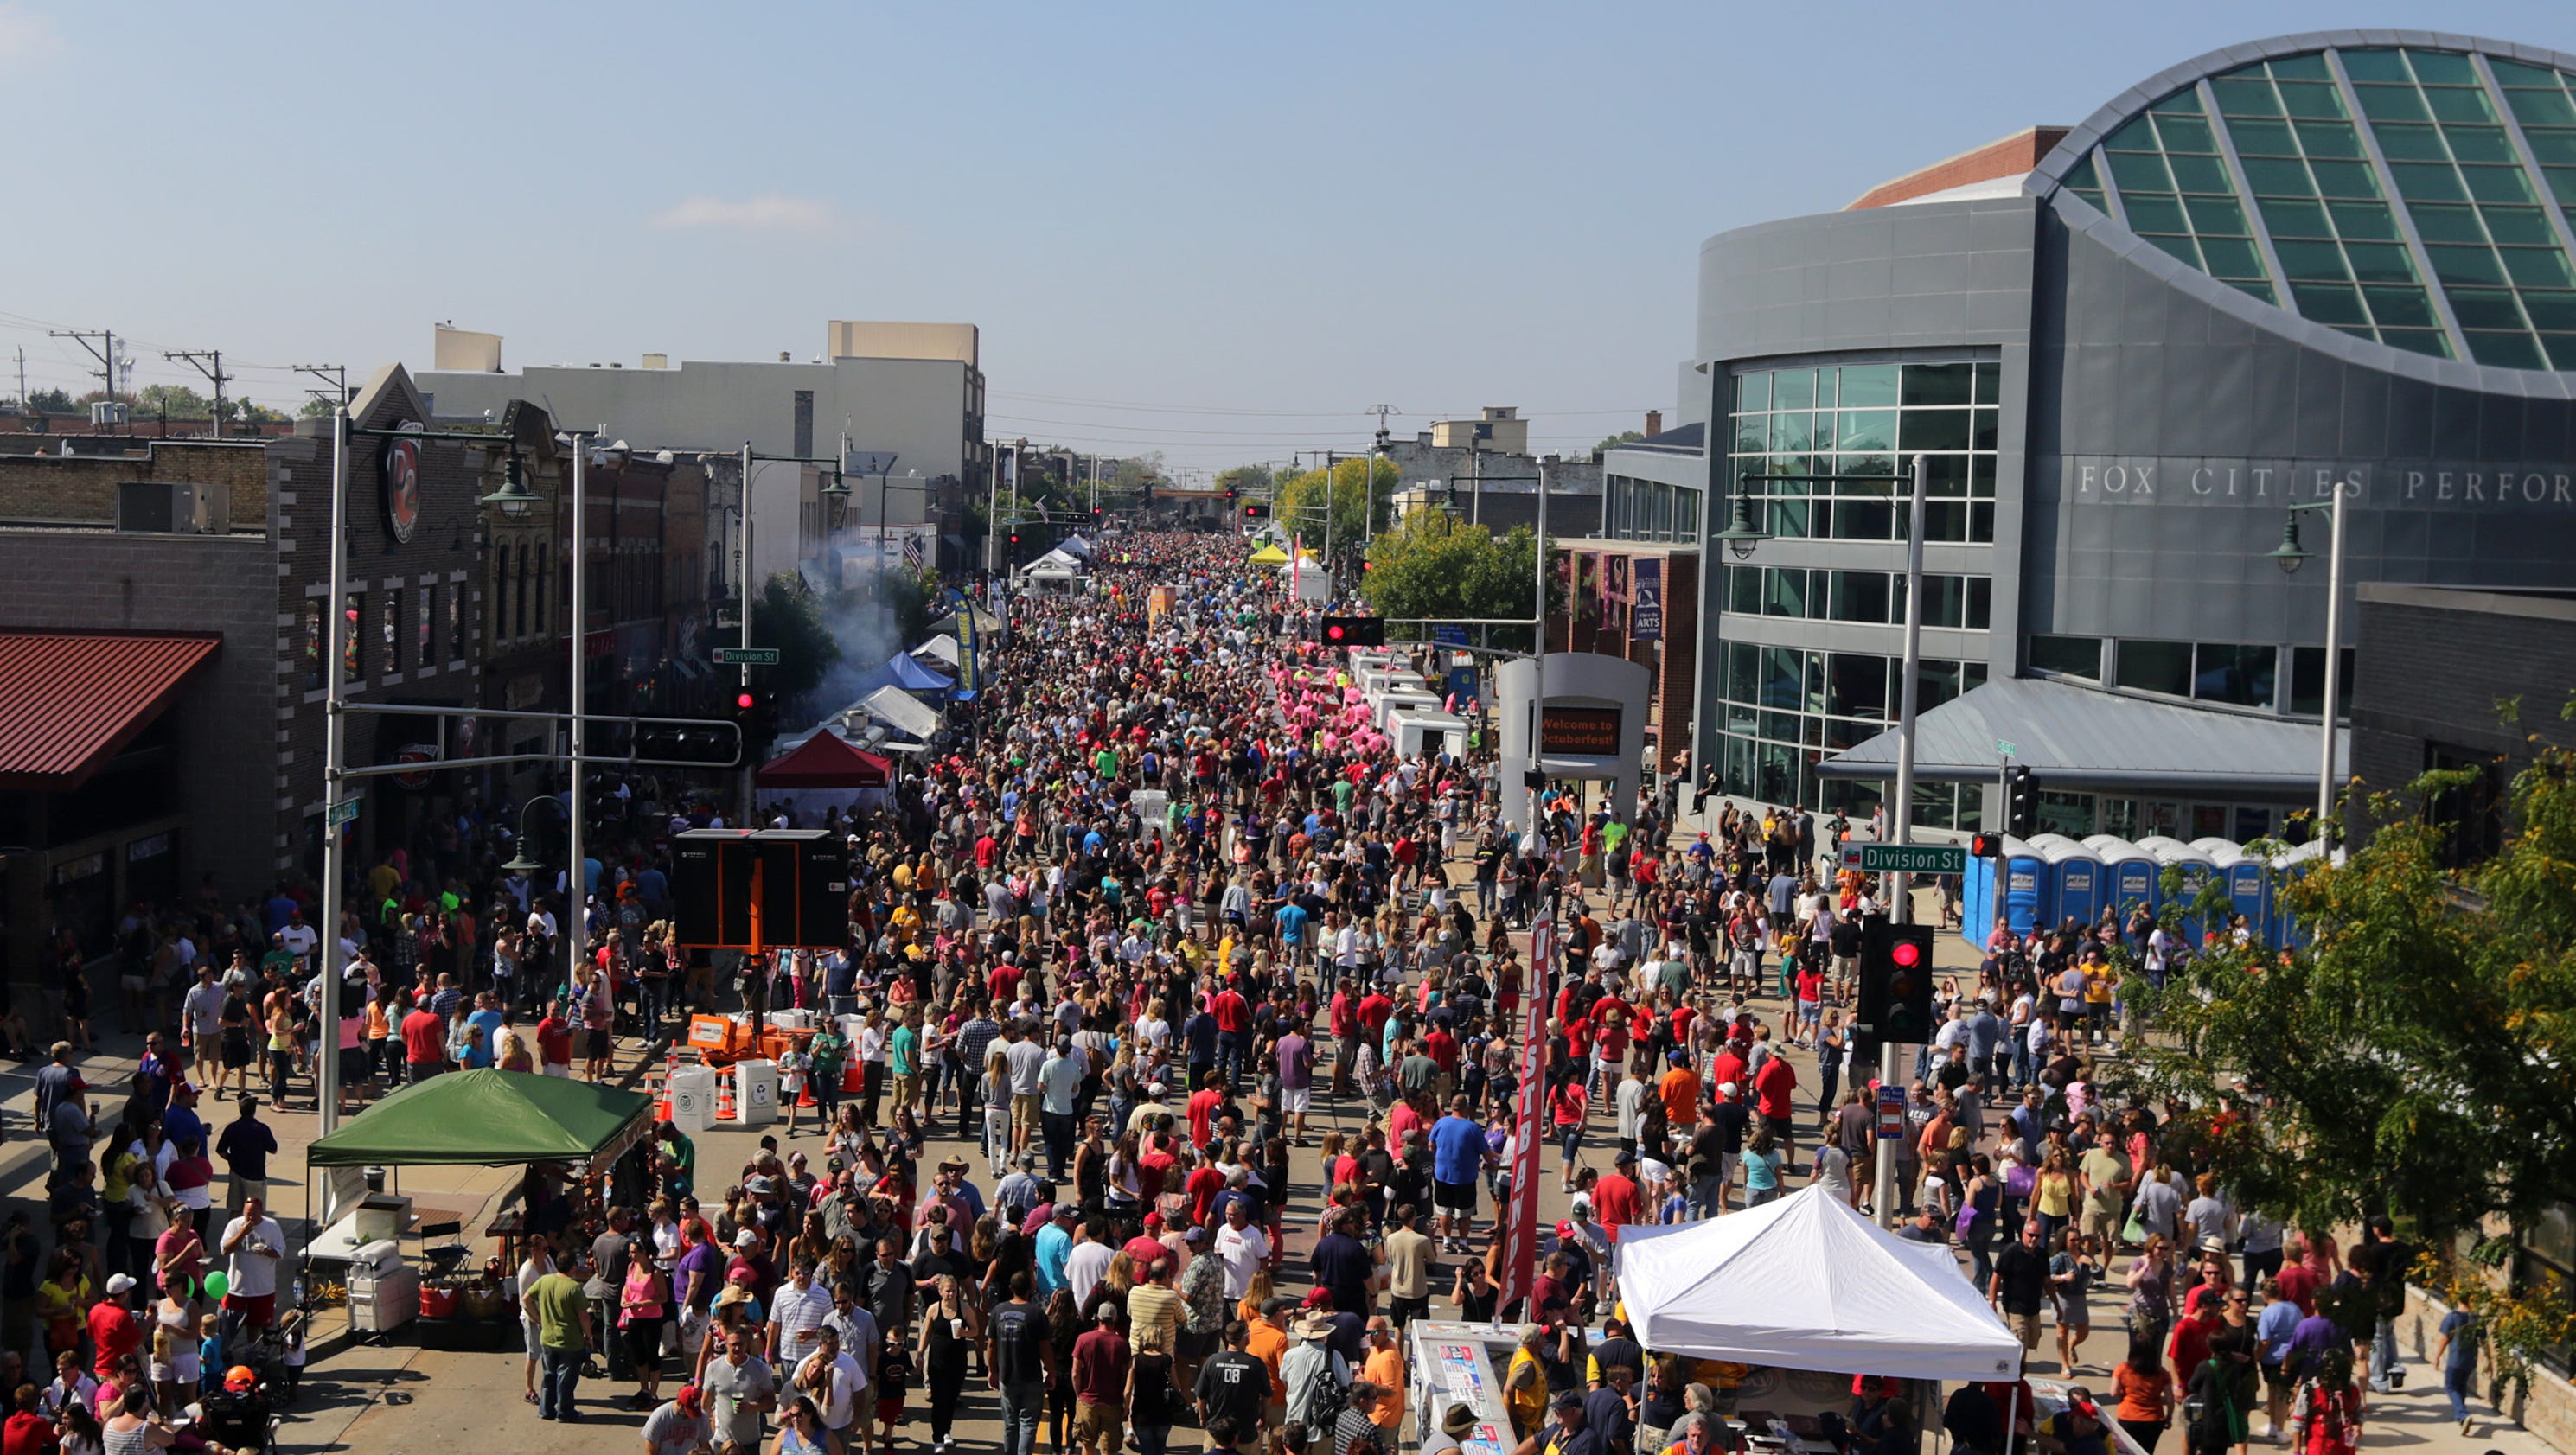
(967, 648)
(1520, 1247)
(1646, 604)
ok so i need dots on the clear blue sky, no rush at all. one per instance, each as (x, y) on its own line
(1259, 218)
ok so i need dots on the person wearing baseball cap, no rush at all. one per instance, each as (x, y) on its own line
(678, 1425)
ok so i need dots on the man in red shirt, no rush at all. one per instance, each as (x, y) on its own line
(1203, 1108)
(1614, 1196)
(1233, 1018)
(1774, 1086)
(424, 1042)
(1100, 1362)
(1374, 1010)
(554, 1042)
(1441, 1047)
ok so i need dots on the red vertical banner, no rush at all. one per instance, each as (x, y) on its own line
(1520, 1234)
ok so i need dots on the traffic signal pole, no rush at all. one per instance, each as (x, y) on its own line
(1900, 901)
(578, 886)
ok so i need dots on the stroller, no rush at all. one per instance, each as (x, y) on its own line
(243, 1415)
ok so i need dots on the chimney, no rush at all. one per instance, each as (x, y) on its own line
(1654, 423)
(785, 357)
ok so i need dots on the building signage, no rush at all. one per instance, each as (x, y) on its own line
(1578, 732)
(2367, 484)
(1646, 605)
(402, 486)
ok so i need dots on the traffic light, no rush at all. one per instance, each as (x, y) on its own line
(1352, 631)
(1985, 846)
(713, 743)
(1256, 510)
(2021, 801)
(1896, 983)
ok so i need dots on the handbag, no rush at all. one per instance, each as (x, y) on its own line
(2135, 1232)
(2020, 1180)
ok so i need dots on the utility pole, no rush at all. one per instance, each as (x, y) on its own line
(209, 362)
(1900, 896)
(104, 350)
(336, 374)
(22, 378)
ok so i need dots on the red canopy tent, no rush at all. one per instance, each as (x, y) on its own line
(826, 761)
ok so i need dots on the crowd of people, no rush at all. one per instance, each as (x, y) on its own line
(1222, 994)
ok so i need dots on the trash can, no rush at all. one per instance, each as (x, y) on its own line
(693, 1099)
(755, 1093)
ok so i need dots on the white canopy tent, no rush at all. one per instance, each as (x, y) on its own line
(1808, 1283)
(902, 711)
(1075, 546)
(944, 647)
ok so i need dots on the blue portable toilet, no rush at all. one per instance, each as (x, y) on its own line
(2130, 875)
(2244, 875)
(2283, 928)
(2028, 882)
(2078, 876)
(2197, 868)
(1977, 903)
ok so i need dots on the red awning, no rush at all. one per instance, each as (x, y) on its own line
(826, 761)
(70, 700)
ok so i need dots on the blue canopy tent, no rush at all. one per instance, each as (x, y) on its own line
(904, 671)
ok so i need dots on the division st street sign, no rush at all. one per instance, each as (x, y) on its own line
(1871, 858)
(746, 656)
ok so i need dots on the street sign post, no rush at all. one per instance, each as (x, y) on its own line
(2005, 748)
(1871, 858)
(746, 656)
(1891, 1113)
(344, 812)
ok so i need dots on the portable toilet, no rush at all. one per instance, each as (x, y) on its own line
(2243, 875)
(1424, 733)
(2130, 875)
(2028, 881)
(2283, 929)
(1385, 705)
(2197, 867)
(2078, 879)
(1977, 903)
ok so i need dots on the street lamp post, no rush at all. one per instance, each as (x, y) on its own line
(2290, 556)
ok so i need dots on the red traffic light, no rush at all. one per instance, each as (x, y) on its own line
(1334, 632)
(1905, 953)
(743, 701)
(1985, 846)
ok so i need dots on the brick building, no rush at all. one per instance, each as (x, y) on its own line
(1638, 602)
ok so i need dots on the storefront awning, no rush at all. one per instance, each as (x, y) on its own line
(2084, 738)
(70, 700)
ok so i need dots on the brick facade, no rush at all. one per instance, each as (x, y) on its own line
(2010, 157)
(2432, 666)
(1603, 622)
(80, 489)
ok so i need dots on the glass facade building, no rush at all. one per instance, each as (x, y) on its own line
(2336, 264)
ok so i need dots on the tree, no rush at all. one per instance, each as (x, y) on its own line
(1432, 565)
(788, 615)
(1623, 437)
(50, 401)
(2414, 1058)
(1244, 478)
(1355, 487)
(316, 407)
(249, 413)
(172, 401)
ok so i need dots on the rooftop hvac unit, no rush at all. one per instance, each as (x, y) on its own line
(171, 508)
(106, 412)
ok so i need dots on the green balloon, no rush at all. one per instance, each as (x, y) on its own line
(216, 1284)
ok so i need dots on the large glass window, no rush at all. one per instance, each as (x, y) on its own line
(1826, 451)
(2151, 666)
(2292, 181)
(1786, 708)
(2069, 656)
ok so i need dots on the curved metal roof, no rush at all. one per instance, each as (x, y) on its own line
(2401, 198)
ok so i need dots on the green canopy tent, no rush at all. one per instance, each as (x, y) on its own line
(489, 1118)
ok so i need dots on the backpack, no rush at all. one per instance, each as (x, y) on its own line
(1323, 1395)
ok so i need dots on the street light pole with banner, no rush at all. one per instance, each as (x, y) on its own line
(1520, 1250)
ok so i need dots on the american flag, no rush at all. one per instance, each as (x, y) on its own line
(912, 553)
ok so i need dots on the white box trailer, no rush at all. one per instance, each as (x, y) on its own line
(1421, 734)
(1375, 680)
(1401, 699)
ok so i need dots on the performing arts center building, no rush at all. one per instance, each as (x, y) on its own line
(2329, 262)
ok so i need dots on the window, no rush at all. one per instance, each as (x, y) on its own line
(313, 645)
(2233, 674)
(2069, 656)
(353, 632)
(391, 633)
(2308, 681)
(456, 621)
(424, 650)
(1861, 596)
(2149, 666)
(1822, 449)
(518, 591)
(2544, 1261)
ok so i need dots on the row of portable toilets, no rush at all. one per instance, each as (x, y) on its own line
(2048, 879)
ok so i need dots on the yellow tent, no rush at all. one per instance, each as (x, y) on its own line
(1270, 555)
